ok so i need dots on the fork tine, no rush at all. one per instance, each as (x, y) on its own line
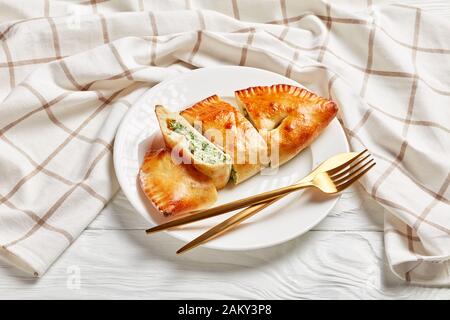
(348, 169)
(346, 184)
(354, 170)
(342, 166)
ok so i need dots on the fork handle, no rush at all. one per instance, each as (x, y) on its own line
(228, 224)
(238, 204)
(257, 199)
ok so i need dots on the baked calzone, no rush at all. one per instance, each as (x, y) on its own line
(192, 147)
(174, 188)
(226, 127)
(288, 117)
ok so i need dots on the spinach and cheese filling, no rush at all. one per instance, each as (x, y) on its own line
(199, 146)
(233, 175)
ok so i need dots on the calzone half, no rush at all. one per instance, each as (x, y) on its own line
(229, 129)
(288, 117)
(191, 147)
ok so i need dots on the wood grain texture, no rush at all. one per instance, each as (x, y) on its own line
(342, 258)
(128, 264)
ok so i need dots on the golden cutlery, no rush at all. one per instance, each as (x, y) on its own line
(341, 171)
(320, 175)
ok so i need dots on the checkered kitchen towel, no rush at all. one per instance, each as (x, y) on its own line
(70, 70)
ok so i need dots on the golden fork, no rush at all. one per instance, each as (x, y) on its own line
(320, 176)
(332, 176)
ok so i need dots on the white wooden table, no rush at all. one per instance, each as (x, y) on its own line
(341, 258)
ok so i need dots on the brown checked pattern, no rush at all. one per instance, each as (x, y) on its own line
(69, 72)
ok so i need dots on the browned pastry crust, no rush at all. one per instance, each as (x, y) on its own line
(228, 128)
(289, 117)
(174, 188)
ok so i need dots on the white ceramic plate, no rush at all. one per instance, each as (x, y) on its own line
(286, 219)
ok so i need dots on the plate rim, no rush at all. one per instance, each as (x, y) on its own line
(211, 245)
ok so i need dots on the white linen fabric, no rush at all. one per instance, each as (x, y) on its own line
(70, 70)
